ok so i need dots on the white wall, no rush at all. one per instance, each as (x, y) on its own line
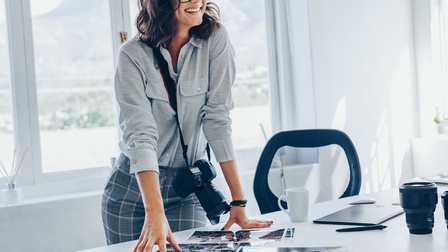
(364, 81)
(68, 223)
(54, 217)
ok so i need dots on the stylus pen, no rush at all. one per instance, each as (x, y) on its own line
(365, 228)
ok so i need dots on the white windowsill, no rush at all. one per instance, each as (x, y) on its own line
(35, 194)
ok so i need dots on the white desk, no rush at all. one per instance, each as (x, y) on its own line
(395, 237)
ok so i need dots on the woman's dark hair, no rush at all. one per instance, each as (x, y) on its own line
(155, 22)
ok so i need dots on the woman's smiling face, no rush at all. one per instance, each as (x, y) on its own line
(188, 14)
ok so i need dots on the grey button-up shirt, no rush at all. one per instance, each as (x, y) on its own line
(205, 74)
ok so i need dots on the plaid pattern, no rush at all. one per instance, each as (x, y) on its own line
(122, 207)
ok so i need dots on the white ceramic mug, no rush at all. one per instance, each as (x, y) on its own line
(298, 203)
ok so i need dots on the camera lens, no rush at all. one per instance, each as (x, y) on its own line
(213, 202)
(419, 200)
(445, 206)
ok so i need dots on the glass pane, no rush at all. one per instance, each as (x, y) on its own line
(74, 78)
(247, 28)
(6, 119)
(134, 11)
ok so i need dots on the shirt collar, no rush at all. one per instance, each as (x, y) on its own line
(197, 42)
(194, 41)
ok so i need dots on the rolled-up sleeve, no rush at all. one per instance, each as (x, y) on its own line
(139, 129)
(216, 112)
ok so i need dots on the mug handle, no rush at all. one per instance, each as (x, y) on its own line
(282, 197)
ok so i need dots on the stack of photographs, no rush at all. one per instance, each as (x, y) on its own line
(244, 235)
(232, 247)
(260, 240)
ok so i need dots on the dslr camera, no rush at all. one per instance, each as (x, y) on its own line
(198, 179)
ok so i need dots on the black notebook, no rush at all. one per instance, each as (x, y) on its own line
(369, 214)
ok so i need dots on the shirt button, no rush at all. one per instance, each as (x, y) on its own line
(167, 155)
(163, 95)
(198, 89)
(182, 55)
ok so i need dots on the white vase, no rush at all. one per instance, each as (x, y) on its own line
(11, 195)
(442, 127)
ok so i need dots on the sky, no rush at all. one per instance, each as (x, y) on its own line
(38, 7)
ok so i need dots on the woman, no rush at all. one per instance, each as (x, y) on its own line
(139, 201)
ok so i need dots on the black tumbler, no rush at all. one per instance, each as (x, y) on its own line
(445, 206)
(419, 200)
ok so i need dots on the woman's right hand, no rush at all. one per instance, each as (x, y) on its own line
(155, 231)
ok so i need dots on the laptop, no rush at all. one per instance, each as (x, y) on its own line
(363, 215)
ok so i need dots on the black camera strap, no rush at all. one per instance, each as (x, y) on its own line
(170, 86)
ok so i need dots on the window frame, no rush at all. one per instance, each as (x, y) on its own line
(18, 19)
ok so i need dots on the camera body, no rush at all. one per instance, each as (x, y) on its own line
(198, 179)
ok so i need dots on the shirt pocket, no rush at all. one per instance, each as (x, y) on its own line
(155, 90)
(191, 88)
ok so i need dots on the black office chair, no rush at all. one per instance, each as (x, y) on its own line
(308, 138)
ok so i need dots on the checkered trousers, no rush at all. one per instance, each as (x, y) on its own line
(122, 207)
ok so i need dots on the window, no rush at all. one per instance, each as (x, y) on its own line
(74, 63)
(62, 97)
(247, 28)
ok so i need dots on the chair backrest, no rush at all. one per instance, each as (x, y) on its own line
(307, 138)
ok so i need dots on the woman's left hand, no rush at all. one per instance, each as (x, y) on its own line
(238, 216)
